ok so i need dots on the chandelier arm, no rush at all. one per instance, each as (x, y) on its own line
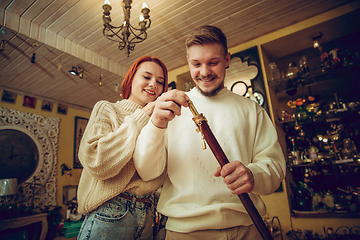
(121, 46)
(110, 36)
(137, 36)
(147, 21)
(144, 28)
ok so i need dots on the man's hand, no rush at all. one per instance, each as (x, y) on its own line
(238, 178)
(167, 106)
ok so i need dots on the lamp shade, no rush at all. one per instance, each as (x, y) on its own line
(8, 186)
(74, 71)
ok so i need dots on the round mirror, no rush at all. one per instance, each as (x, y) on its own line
(19, 155)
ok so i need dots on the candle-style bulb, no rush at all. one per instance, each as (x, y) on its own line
(107, 2)
(141, 18)
(144, 5)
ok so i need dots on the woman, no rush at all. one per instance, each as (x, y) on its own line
(116, 201)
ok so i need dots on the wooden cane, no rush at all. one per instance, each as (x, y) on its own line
(215, 147)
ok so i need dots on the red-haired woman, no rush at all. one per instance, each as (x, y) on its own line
(116, 201)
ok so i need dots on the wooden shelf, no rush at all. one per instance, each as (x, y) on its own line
(326, 215)
(354, 163)
(335, 116)
(315, 76)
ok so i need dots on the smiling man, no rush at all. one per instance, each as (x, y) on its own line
(198, 203)
(207, 67)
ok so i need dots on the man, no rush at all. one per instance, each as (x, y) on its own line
(198, 204)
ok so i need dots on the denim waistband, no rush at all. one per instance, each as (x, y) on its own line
(136, 200)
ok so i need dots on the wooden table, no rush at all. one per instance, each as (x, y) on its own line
(24, 221)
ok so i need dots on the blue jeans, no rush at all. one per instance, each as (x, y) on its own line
(119, 218)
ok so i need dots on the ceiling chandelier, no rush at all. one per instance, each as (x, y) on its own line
(126, 34)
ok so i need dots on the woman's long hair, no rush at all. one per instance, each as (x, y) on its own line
(127, 82)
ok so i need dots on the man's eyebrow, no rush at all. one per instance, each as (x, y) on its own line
(211, 59)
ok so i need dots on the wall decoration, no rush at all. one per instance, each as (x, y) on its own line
(19, 155)
(69, 193)
(47, 105)
(80, 125)
(240, 87)
(38, 135)
(8, 97)
(29, 102)
(62, 108)
(247, 63)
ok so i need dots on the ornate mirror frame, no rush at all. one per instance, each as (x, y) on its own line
(40, 188)
(251, 57)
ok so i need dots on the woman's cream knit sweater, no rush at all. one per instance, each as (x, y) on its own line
(106, 151)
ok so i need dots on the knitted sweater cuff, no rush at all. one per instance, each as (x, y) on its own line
(141, 118)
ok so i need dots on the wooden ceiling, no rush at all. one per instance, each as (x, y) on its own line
(70, 32)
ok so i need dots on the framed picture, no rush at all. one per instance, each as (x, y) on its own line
(29, 102)
(69, 193)
(8, 97)
(47, 105)
(80, 125)
(62, 108)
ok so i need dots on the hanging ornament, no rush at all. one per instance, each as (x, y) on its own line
(59, 66)
(81, 73)
(100, 81)
(116, 87)
(2, 45)
(33, 58)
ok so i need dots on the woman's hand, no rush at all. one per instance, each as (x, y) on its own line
(149, 108)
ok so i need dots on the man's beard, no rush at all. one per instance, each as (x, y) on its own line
(213, 92)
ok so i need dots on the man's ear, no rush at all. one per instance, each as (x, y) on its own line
(227, 59)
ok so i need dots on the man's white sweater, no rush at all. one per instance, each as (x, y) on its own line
(192, 197)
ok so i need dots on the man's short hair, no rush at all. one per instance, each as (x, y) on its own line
(206, 34)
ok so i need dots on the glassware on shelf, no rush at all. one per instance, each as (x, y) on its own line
(313, 153)
(274, 71)
(303, 198)
(303, 67)
(316, 199)
(284, 115)
(295, 154)
(329, 200)
(301, 112)
(349, 148)
(292, 71)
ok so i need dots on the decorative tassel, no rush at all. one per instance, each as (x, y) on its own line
(33, 58)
